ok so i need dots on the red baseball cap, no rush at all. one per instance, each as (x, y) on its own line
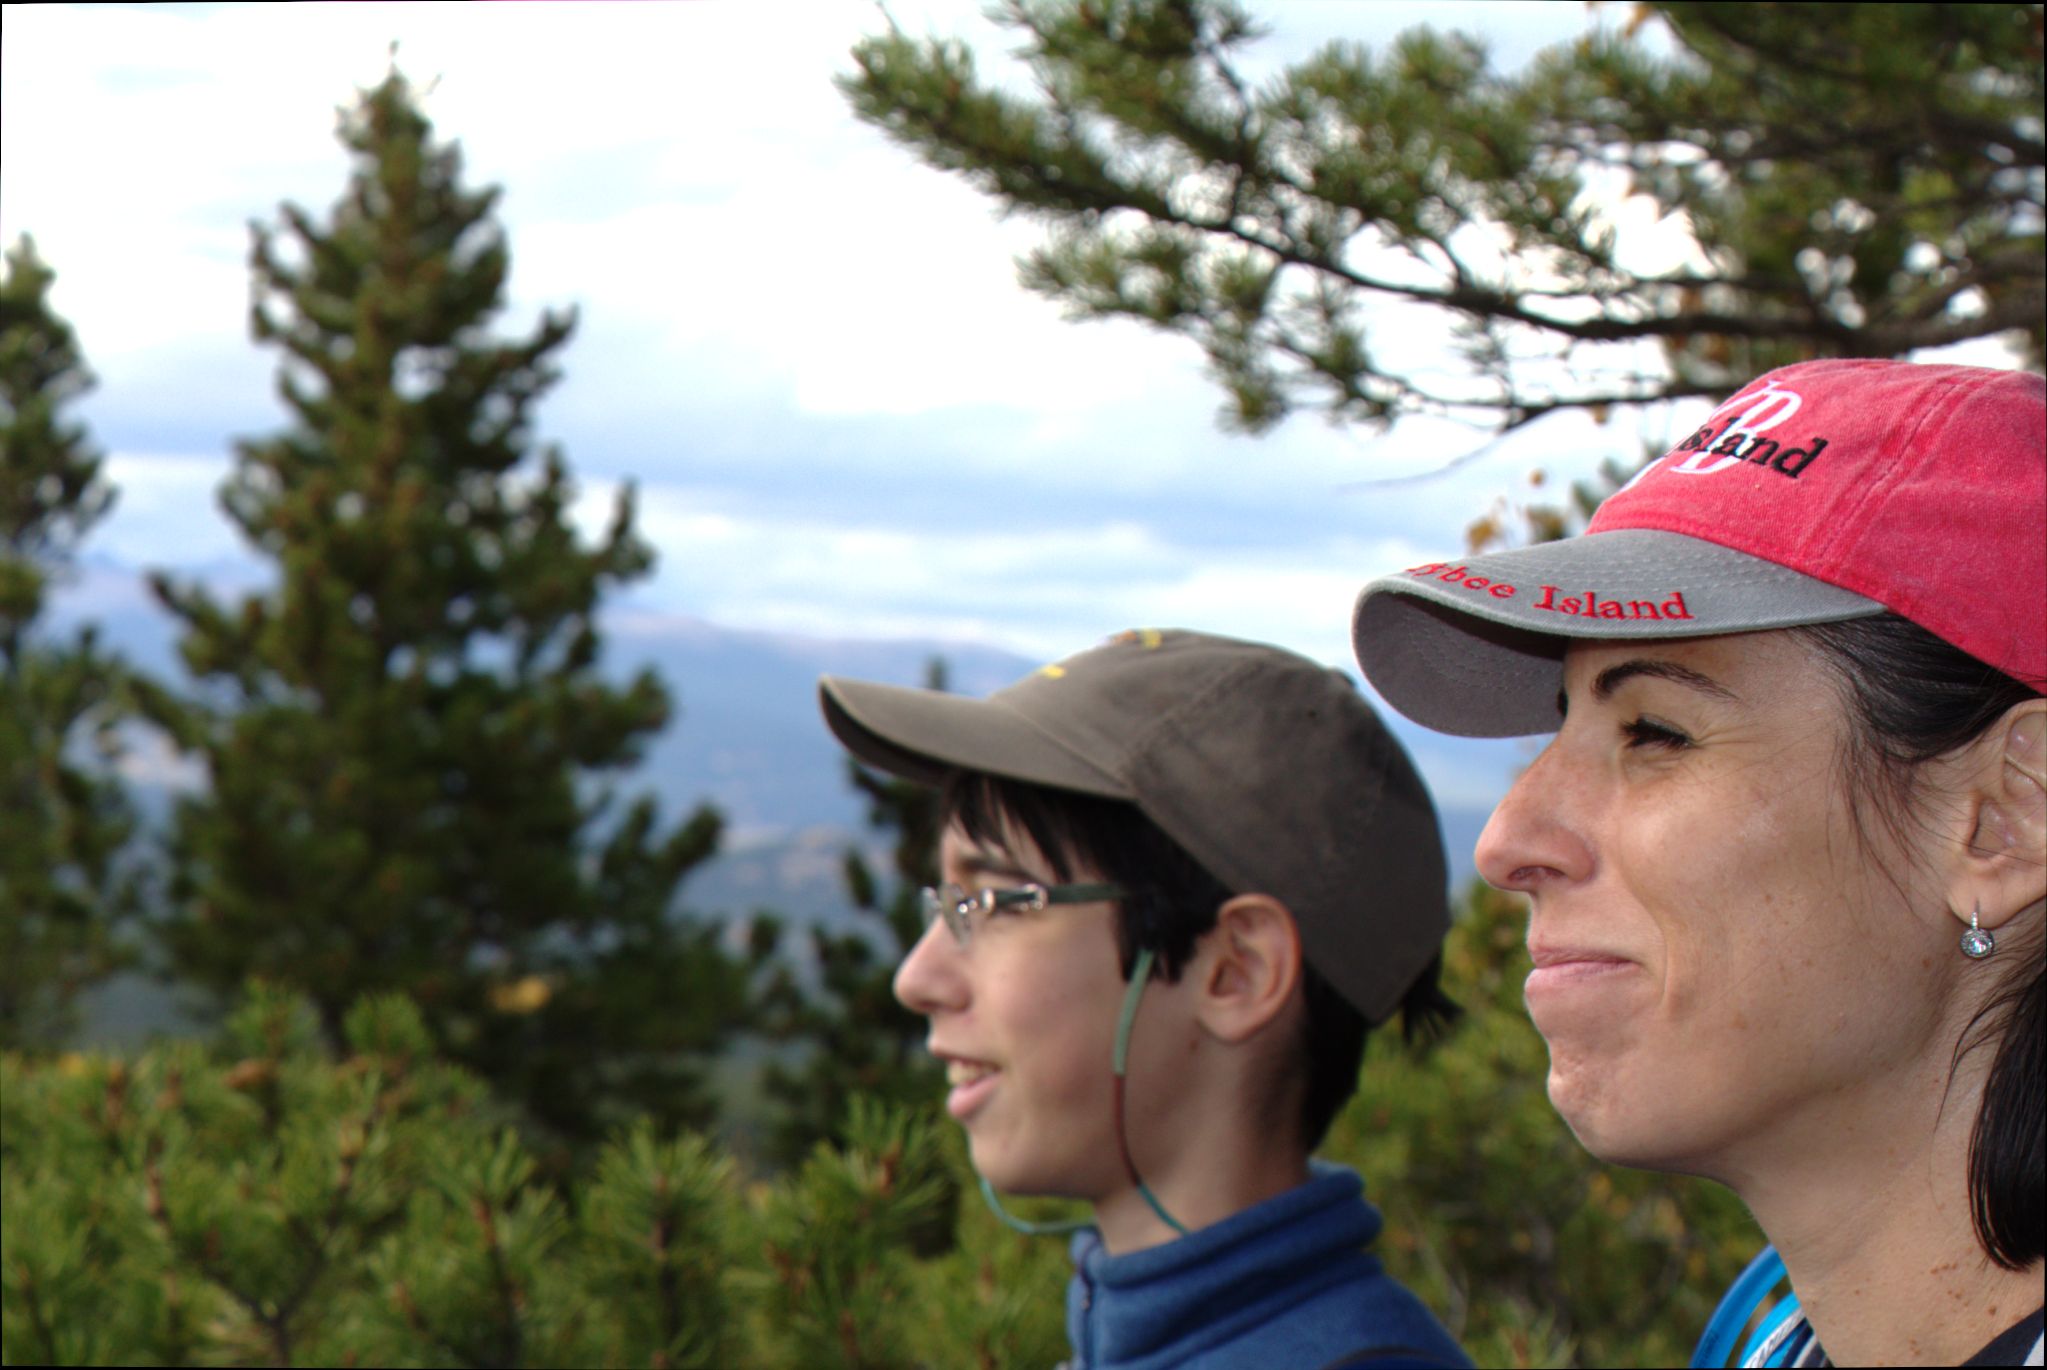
(1822, 491)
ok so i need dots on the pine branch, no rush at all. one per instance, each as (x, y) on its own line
(502, 1284)
(206, 1261)
(1165, 181)
(322, 1242)
(415, 1318)
(45, 1334)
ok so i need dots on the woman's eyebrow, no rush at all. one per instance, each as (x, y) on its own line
(1610, 679)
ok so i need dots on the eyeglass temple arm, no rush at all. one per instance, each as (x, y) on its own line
(1082, 894)
(1038, 896)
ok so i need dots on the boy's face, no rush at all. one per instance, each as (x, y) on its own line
(1024, 1018)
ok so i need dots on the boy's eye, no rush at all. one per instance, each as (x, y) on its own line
(1001, 899)
(1644, 732)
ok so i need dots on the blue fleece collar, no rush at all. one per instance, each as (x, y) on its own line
(1280, 1279)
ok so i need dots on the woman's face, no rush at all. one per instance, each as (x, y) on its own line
(1024, 1018)
(1723, 964)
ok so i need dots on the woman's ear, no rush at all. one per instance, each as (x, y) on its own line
(2004, 871)
(1248, 966)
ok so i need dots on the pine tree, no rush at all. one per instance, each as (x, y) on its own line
(854, 1038)
(260, 1200)
(263, 1203)
(65, 891)
(407, 737)
(1857, 180)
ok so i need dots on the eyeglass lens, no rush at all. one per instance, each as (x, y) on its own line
(950, 903)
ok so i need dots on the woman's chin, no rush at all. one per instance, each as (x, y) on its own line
(1589, 1105)
(1638, 1133)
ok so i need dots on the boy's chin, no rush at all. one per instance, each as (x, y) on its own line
(1011, 1174)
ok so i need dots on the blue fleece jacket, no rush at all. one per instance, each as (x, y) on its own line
(1284, 1285)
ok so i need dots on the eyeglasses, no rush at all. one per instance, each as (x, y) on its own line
(962, 911)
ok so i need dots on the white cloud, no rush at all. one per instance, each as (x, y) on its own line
(1042, 591)
(147, 758)
(750, 257)
(165, 513)
(902, 443)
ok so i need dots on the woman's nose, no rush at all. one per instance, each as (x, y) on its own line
(1536, 834)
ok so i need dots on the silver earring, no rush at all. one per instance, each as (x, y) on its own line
(1976, 943)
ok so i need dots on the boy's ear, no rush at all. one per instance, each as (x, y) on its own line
(1249, 965)
(2005, 870)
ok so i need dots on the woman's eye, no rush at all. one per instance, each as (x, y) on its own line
(1643, 732)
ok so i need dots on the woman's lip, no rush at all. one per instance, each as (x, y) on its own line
(1566, 975)
(1545, 955)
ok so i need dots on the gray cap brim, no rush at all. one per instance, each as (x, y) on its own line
(921, 734)
(1478, 663)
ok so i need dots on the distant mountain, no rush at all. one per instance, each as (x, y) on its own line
(748, 736)
(748, 739)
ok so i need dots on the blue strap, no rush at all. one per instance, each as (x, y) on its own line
(1028, 1228)
(1140, 974)
(1781, 1317)
(1743, 1298)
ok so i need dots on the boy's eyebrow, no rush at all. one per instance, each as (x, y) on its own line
(991, 863)
(1612, 677)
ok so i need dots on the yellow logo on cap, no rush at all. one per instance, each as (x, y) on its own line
(1054, 670)
(1147, 638)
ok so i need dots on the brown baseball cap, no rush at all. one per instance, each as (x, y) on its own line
(1269, 769)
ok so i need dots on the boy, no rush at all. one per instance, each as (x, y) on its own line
(1184, 875)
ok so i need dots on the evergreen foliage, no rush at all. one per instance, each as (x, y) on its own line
(1518, 519)
(267, 1204)
(266, 1201)
(406, 846)
(1856, 180)
(53, 493)
(407, 736)
(854, 1038)
(65, 891)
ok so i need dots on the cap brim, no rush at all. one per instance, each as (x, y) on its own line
(920, 735)
(1485, 660)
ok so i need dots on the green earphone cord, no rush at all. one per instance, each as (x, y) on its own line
(1140, 973)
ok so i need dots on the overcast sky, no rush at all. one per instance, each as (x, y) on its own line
(810, 352)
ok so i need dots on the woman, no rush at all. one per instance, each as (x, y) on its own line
(1786, 856)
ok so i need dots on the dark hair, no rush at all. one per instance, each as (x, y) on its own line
(1914, 697)
(1173, 900)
